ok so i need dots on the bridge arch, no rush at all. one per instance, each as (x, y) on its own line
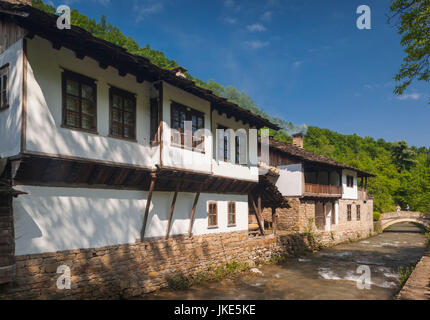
(388, 219)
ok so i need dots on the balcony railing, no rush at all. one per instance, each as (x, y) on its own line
(322, 190)
(362, 194)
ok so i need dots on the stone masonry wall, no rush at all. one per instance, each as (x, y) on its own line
(7, 242)
(300, 218)
(131, 270)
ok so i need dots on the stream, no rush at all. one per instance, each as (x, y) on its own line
(328, 274)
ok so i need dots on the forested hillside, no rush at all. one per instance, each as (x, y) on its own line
(403, 172)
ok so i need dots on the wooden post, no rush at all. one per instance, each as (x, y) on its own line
(148, 204)
(274, 221)
(260, 211)
(257, 214)
(193, 211)
(172, 208)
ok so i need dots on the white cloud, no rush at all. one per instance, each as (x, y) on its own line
(297, 64)
(229, 20)
(256, 27)
(146, 8)
(267, 16)
(104, 2)
(256, 44)
(413, 96)
(231, 5)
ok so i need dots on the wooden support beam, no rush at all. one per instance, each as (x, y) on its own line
(80, 55)
(103, 65)
(56, 45)
(260, 211)
(172, 208)
(148, 204)
(257, 214)
(193, 211)
(274, 220)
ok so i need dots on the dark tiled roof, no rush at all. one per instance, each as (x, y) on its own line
(309, 156)
(42, 24)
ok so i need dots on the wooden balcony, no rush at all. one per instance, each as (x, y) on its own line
(323, 191)
(362, 194)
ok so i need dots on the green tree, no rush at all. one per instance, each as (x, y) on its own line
(403, 156)
(412, 18)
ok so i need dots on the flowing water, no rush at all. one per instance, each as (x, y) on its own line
(329, 274)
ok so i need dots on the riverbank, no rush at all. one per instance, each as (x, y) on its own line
(418, 285)
(327, 274)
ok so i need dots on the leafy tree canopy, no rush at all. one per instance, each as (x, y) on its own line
(412, 18)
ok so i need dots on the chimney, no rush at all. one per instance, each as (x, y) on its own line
(25, 2)
(298, 140)
(180, 71)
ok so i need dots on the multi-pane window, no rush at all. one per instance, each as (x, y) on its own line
(79, 102)
(237, 149)
(226, 144)
(240, 141)
(155, 120)
(212, 214)
(232, 213)
(122, 114)
(358, 213)
(349, 212)
(350, 181)
(180, 114)
(4, 88)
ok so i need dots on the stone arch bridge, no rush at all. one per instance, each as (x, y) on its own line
(390, 218)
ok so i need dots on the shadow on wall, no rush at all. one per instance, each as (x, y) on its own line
(44, 132)
(55, 219)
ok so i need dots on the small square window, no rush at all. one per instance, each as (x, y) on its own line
(232, 214)
(4, 87)
(350, 181)
(213, 215)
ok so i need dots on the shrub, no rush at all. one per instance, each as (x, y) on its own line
(406, 273)
(376, 216)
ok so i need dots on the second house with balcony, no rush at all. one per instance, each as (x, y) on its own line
(306, 192)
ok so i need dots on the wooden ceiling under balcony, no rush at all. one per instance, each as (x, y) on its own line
(41, 170)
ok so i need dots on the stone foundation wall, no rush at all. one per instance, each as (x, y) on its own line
(131, 270)
(296, 217)
(7, 242)
(300, 218)
(355, 228)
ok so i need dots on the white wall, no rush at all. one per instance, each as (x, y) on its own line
(290, 181)
(44, 132)
(10, 118)
(347, 192)
(44, 119)
(174, 156)
(54, 219)
(225, 168)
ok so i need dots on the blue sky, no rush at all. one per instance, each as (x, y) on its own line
(301, 60)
